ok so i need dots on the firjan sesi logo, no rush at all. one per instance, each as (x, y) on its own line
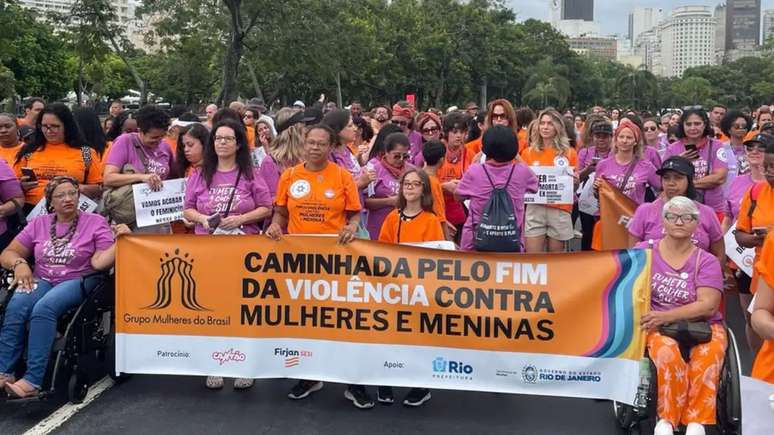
(176, 271)
(292, 356)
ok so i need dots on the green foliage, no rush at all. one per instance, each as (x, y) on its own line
(32, 58)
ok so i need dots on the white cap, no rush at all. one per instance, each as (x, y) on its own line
(300, 104)
(452, 109)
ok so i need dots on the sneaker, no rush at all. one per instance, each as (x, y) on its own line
(243, 383)
(663, 427)
(304, 389)
(359, 397)
(694, 429)
(417, 397)
(214, 382)
(384, 395)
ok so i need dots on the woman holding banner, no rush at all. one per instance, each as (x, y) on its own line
(626, 169)
(226, 196)
(318, 197)
(549, 146)
(67, 245)
(686, 285)
(763, 313)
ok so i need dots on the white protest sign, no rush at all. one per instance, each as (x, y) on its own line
(741, 256)
(164, 206)
(85, 204)
(555, 183)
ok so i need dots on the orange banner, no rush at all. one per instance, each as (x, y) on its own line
(369, 292)
(615, 212)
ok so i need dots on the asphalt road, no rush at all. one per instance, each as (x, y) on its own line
(181, 405)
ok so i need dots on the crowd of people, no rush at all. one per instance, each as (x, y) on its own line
(397, 176)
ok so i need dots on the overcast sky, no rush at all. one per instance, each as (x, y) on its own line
(612, 15)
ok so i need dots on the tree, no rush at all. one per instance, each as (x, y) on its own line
(33, 55)
(692, 90)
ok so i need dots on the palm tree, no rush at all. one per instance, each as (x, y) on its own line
(641, 86)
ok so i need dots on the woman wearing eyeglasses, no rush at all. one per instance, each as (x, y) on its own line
(57, 148)
(697, 143)
(654, 147)
(249, 117)
(755, 219)
(67, 245)
(382, 195)
(686, 284)
(500, 112)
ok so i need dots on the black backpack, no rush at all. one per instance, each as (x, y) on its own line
(497, 231)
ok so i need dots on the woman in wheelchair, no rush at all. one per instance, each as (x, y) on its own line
(686, 285)
(66, 245)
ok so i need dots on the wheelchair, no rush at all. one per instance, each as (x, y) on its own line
(631, 419)
(85, 342)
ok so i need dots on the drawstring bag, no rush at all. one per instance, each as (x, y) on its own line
(497, 231)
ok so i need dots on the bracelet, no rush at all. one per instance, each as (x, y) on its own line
(18, 262)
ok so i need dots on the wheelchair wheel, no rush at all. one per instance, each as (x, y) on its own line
(729, 398)
(77, 387)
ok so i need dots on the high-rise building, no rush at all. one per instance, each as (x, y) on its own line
(687, 40)
(720, 33)
(743, 27)
(642, 20)
(125, 9)
(578, 10)
(768, 24)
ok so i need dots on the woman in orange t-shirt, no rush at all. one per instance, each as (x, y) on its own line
(9, 138)
(57, 149)
(549, 146)
(763, 314)
(413, 221)
(318, 197)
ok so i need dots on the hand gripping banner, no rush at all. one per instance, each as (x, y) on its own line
(380, 314)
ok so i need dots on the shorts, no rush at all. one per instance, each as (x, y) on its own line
(548, 221)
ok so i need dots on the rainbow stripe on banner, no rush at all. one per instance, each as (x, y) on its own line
(622, 307)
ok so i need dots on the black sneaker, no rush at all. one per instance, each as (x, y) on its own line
(304, 388)
(417, 397)
(359, 397)
(384, 395)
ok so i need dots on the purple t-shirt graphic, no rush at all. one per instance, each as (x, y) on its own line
(672, 288)
(123, 151)
(74, 261)
(249, 195)
(476, 187)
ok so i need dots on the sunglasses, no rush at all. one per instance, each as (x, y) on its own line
(430, 130)
(399, 123)
(499, 116)
(740, 126)
(654, 128)
(401, 156)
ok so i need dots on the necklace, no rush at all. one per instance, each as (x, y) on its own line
(59, 243)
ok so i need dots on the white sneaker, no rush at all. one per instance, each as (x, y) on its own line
(694, 429)
(664, 427)
(214, 382)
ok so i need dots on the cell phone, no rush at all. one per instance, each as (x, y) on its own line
(28, 172)
(213, 221)
(760, 231)
(690, 147)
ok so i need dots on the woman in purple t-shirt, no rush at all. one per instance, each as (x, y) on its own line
(382, 198)
(11, 198)
(686, 285)
(67, 245)
(227, 195)
(676, 180)
(500, 146)
(627, 169)
(708, 155)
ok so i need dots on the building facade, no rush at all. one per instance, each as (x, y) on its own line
(687, 40)
(605, 48)
(768, 24)
(578, 10)
(743, 24)
(642, 20)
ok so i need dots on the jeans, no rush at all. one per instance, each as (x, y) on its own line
(42, 308)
